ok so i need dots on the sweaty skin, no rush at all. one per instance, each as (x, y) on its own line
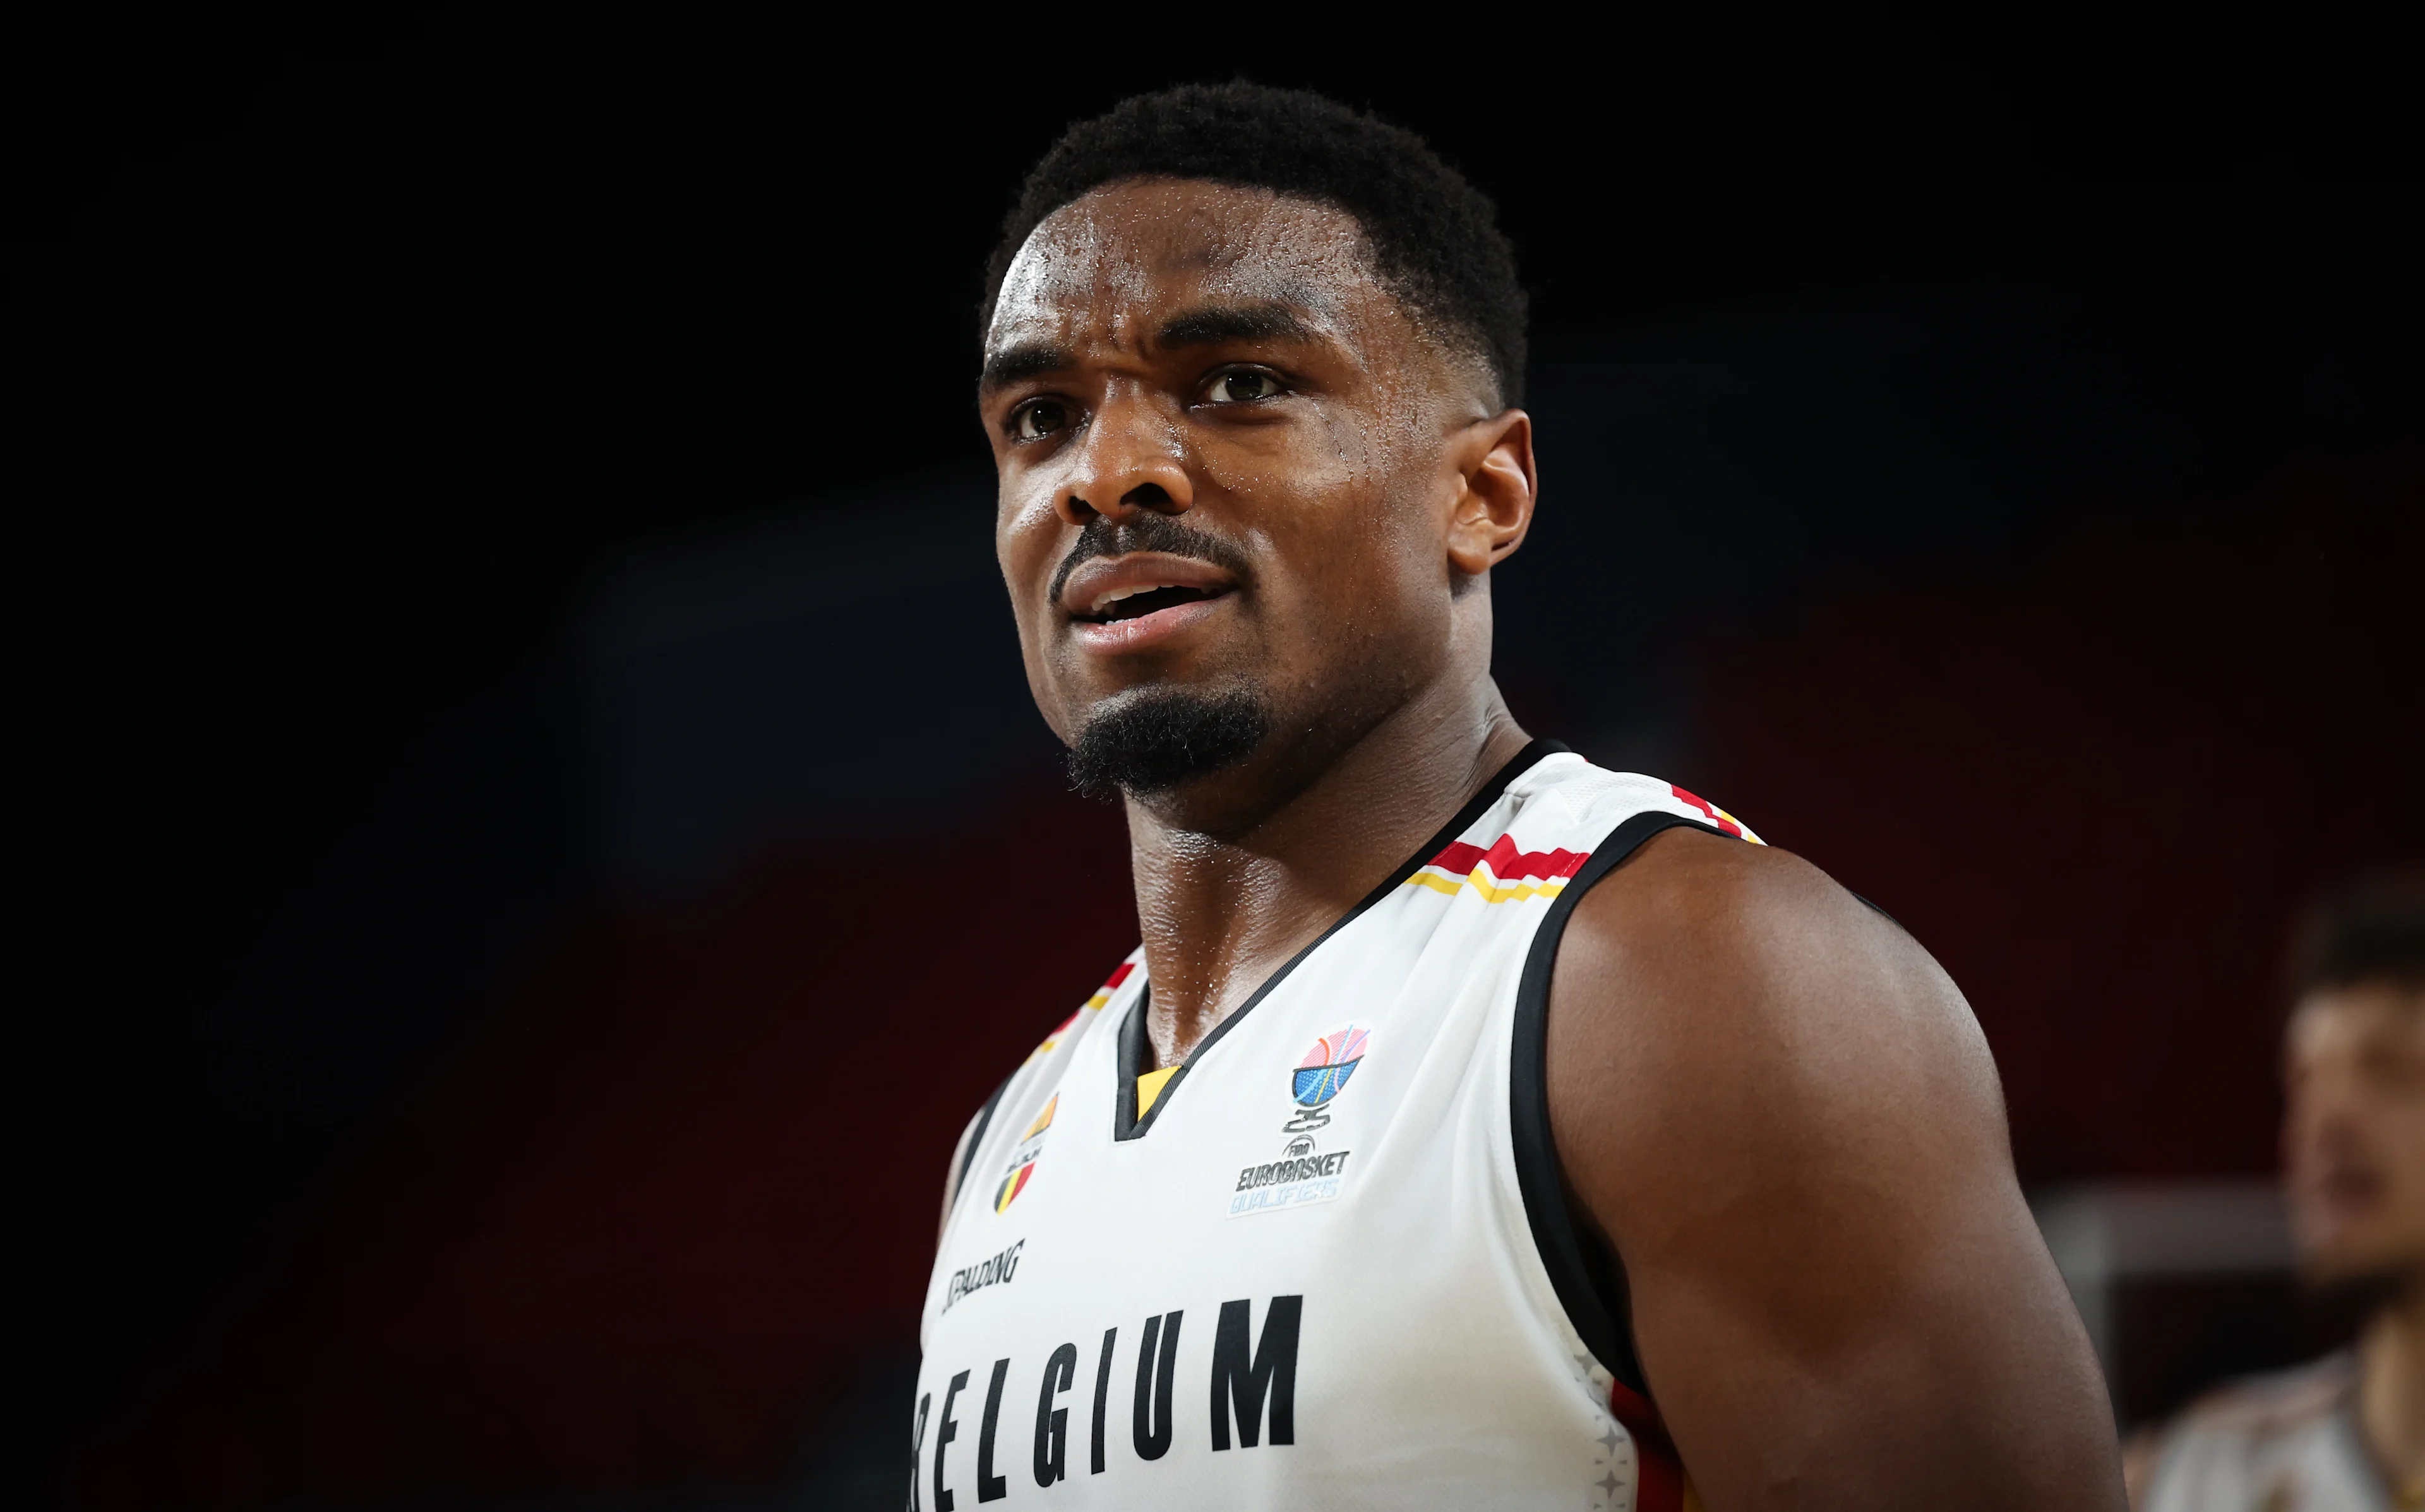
(1780, 1112)
(1771, 1101)
(1364, 485)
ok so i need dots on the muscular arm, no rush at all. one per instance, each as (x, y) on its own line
(1780, 1113)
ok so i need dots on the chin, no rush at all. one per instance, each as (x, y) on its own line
(1156, 742)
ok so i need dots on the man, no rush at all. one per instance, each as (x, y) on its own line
(2348, 1433)
(1474, 1127)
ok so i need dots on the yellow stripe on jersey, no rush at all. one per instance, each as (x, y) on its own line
(1043, 1120)
(1514, 892)
(1150, 1088)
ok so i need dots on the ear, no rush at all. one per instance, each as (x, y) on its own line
(1496, 486)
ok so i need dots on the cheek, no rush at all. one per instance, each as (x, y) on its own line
(1026, 533)
(2304, 1116)
(1338, 496)
(2404, 1145)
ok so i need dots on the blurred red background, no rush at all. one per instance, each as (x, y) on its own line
(2100, 793)
(535, 808)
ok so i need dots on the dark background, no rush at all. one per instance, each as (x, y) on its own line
(532, 837)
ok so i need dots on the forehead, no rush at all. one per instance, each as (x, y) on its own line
(1135, 251)
(2371, 1016)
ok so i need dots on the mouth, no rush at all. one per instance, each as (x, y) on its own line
(1117, 604)
(2348, 1189)
(2327, 1203)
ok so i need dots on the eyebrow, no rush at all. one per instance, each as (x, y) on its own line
(1216, 324)
(1020, 363)
(1209, 326)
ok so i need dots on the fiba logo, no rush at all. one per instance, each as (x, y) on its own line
(1323, 1074)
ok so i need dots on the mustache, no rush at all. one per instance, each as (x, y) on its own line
(1146, 531)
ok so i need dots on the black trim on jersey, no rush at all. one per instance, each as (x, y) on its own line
(976, 1137)
(1133, 1048)
(1589, 1279)
(1133, 1051)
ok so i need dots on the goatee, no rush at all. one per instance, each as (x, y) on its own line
(1154, 742)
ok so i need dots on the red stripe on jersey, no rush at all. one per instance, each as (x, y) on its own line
(1715, 818)
(1508, 864)
(1659, 1485)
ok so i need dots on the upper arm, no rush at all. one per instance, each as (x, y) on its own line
(1780, 1113)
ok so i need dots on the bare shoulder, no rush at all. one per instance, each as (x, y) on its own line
(1709, 984)
(1778, 1110)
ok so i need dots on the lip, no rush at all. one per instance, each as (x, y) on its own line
(1104, 579)
(1099, 577)
(1146, 629)
(2346, 1188)
(2324, 1201)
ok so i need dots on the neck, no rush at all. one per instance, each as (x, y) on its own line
(2391, 1391)
(1222, 909)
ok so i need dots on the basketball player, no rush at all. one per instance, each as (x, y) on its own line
(2348, 1433)
(1474, 1127)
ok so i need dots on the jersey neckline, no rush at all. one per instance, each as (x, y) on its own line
(1130, 1052)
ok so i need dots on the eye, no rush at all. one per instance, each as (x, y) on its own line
(1039, 417)
(1240, 384)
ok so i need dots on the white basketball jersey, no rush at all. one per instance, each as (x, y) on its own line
(1329, 1266)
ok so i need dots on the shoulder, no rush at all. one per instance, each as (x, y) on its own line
(2267, 1407)
(1031, 1085)
(1723, 1015)
(1780, 1115)
(1687, 885)
(1567, 791)
(1726, 892)
(2226, 1441)
(1710, 950)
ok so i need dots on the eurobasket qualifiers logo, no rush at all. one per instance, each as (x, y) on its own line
(1323, 1073)
(1023, 1160)
(1303, 1175)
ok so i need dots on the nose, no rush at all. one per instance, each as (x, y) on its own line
(1129, 462)
(2319, 1126)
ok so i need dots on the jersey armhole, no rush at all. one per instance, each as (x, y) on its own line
(976, 1137)
(1589, 1279)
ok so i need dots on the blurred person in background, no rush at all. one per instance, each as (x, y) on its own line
(2349, 1430)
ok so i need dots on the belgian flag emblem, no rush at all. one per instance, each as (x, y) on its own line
(1023, 1160)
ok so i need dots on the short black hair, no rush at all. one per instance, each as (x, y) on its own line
(1435, 237)
(2372, 931)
